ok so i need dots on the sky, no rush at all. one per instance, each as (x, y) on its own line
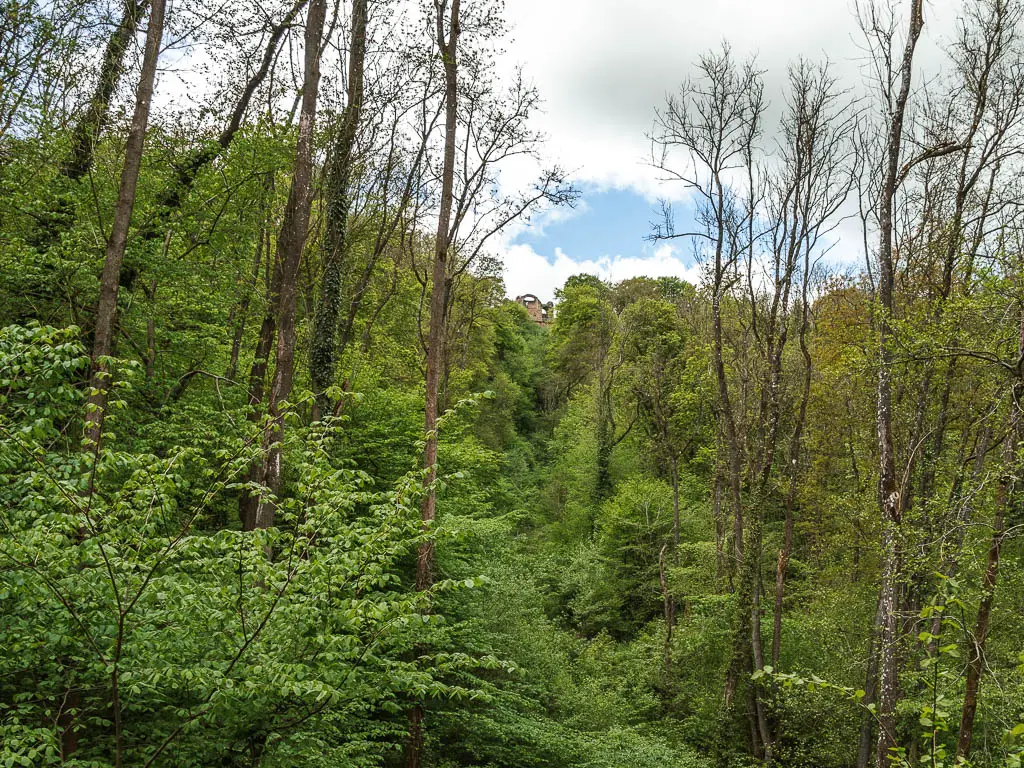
(603, 66)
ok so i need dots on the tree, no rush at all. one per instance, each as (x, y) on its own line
(894, 172)
(291, 241)
(816, 176)
(715, 123)
(106, 308)
(94, 119)
(447, 38)
(662, 376)
(582, 340)
(338, 194)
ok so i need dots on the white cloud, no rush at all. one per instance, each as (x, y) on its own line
(603, 66)
(527, 271)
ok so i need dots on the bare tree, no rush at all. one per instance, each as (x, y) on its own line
(814, 181)
(894, 74)
(714, 123)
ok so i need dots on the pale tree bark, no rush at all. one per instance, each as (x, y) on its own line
(984, 53)
(290, 243)
(106, 310)
(888, 492)
(977, 54)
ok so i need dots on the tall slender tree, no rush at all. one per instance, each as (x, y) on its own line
(93, 119)
(110, 280)
(896, 84)
(715, 122)
(291, 241)
(447, 31)
(337, 198)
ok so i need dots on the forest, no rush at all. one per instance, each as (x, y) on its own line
(287, 479)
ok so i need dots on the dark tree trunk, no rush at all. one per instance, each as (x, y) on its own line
(356, 302)
(794, 469)
(866, 742)
(721, 567)
(91, 124)
(338, 200)
(976, 661)
(1005, 498)
(440, 285)
(241, 313)
(670, 614)
(741, 656)
(247, 502)
(448, 47)
(106, 310)
(604, 434)
(290, 242)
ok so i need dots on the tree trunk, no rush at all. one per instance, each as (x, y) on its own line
(794, 469)
(976, 662)
(89, 127)
(151, 333)
(865, 746)
(888, 493)
(106, 310)
(247, 503)
(670, 614)
(440, 285)
(1005, 498)
(670, 604)
(741, 660)
(448, 47)
(290, 242)
(721, 568)
(338, 194)
(242, 309)
(604, 436)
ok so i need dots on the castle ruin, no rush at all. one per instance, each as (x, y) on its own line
(540, 313)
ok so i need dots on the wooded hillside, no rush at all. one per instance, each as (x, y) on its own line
(286, 479)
